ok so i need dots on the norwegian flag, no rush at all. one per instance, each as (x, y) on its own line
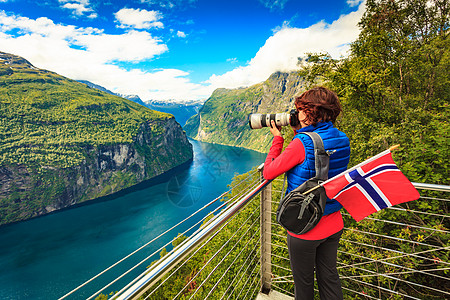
(372, 185)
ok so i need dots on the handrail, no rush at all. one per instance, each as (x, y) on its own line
(431, 187)
(142, 283)
(146, 280)
(164, 265)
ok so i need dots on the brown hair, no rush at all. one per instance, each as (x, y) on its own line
(319, 105)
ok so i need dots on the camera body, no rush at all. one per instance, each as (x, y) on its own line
(257, 121)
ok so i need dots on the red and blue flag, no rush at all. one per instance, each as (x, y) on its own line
(374, 184)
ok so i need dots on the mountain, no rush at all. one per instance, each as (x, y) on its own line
(62, 142)
(223, 119)
(181, 111)
(98, 87)
(134, 98)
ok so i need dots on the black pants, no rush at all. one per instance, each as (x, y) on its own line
(304, 255)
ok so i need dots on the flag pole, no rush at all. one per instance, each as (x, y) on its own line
(394, 147)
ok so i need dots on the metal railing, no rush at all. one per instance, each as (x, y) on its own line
(239, 250)
(401, 252)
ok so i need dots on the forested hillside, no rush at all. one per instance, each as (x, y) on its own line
(223, 118)
(62, 142)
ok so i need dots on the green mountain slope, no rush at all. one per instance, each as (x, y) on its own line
(62, 142)
(223, 118)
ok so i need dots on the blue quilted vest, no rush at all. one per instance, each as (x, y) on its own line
(333, 140)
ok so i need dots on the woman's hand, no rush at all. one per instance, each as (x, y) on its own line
(274, 129)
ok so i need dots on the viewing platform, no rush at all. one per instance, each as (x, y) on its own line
(238, 251)
(273, 295)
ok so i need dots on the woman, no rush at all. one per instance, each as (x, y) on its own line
(316, 249)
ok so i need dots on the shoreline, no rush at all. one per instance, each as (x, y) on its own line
(158, 179)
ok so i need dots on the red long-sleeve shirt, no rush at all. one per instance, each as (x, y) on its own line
(277, 163)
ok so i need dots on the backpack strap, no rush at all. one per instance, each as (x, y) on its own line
(321, 157)
(321, 160)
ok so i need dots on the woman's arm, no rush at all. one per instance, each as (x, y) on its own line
(278, 162)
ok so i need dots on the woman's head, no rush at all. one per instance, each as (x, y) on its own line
(319, 105)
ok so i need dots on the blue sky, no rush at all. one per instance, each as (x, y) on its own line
(175, 49)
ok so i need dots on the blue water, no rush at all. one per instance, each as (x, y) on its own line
(46, 257)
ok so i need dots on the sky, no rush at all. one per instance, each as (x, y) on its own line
(175, 50)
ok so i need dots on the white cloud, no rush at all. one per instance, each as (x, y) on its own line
(181, 34)
(169, 4)
(87, 53)
(281, 51)
(138, 18)
(131, 46)
(274, 4)
(78, 7)
(353, 3)
(232, 60)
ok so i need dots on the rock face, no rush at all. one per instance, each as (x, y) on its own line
(106, 170)
(62, 143)
(223, 118)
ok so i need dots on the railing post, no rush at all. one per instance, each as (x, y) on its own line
(266, 215)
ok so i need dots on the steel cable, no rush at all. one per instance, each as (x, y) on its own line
(384, 289)
(239, 271)
(226, 271)
(226, 255)
(210, 259)
(391, 237)
(195, 225)
(246, 269)
(245, 284)
(394, 278)
(403, 224)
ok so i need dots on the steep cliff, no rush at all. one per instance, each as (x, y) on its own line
(223, 119)
(62, 143)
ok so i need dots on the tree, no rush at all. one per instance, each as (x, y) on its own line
(394, 87)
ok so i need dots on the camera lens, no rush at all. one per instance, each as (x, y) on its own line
(257, 121)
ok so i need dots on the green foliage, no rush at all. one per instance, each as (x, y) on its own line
(395, 86)
(224, 113)
(374, 256)
(373, 247)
